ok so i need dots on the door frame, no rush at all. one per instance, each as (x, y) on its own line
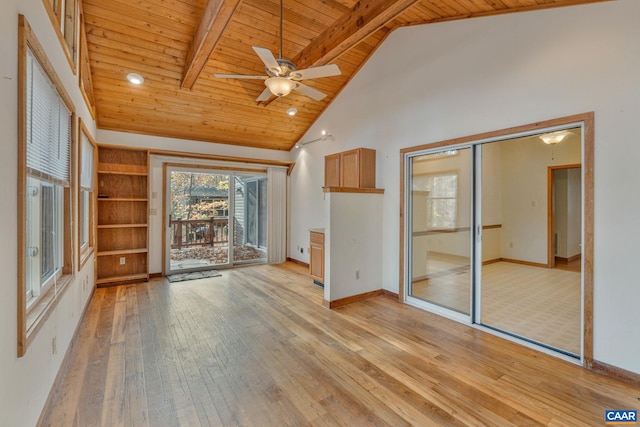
(551, 256)
(586, 120)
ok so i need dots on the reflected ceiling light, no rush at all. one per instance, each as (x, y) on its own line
(292, 111)
(135, 78)
(553, 137)
(280, 86)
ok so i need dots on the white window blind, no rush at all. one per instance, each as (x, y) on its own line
(86, 175)
(277, 214)
(48, 127)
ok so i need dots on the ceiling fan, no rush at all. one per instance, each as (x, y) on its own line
(283, 77)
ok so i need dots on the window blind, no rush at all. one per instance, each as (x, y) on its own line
(48, 127)
(86, 174)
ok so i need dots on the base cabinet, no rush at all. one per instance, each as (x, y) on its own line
(316, 256)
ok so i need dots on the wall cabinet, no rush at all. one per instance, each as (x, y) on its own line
(316, 256)
(351, 169)
(122, 233)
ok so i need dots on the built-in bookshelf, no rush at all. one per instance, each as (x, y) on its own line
(122, 229)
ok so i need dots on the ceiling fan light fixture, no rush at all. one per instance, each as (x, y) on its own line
(280, 86)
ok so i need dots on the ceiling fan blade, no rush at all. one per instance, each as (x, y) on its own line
(264, 96)
(239, 76)
(309, 91)
(316, 72)
(269, 60)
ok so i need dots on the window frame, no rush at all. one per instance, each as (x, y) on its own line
(32, 317)
(61, 22)
(85, 80)
(86, 250)
(430, 199)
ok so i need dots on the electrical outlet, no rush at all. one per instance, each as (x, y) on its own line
(54, 345)
(357, 274)
(153, 212)
(123, 260)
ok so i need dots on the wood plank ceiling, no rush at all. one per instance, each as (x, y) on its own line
(177, 45)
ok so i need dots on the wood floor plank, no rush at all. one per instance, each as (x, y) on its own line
(255, 347)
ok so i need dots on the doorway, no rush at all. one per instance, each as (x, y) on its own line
(214, 218)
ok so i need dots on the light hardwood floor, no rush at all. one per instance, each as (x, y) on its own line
(255, 347)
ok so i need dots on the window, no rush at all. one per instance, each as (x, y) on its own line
(46, 144)
(64, 18)
(441, 200)
(85, 195)
(84, 75)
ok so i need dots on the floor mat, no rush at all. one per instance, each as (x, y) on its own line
(181, 277)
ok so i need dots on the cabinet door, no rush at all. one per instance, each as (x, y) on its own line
(350, 169)
(316, 256)
(332, 170)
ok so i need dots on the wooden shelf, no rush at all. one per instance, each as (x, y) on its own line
(125, 278)
(105, 226)
(352, 190)
(120, 199)
(123, 216)
(122, 173)
(123, 252)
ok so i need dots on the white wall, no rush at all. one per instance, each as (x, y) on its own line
(525, 162)
(353, 245)
(440, 81)
(25, 382)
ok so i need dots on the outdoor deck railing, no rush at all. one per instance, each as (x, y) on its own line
(199, 232)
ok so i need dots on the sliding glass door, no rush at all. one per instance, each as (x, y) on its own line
(440, 239)
(524, 291)
(494, 235)
(215, 219)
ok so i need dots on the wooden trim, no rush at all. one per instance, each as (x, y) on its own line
(521, 262)
(588, 203)
(349, 300)
(215, 18)
(491, 261)
(298, 262)
(165, 217)
(498, 133)
(83, 256)
(55, 23)
(562, 260)
(618, 373)
(389, 294)
(85, 80)
(551, 256)
(213, 167)
(28, 321)
(234, 159)
(362, 20)
(352, 190)
(155, 275)
(588, 230)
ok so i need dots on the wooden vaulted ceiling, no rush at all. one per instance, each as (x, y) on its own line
(177, 45)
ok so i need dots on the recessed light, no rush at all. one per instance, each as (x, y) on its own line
(135, 78)
(292, 111)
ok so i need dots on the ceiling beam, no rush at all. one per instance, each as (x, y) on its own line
(364, 18)
(215, 17)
